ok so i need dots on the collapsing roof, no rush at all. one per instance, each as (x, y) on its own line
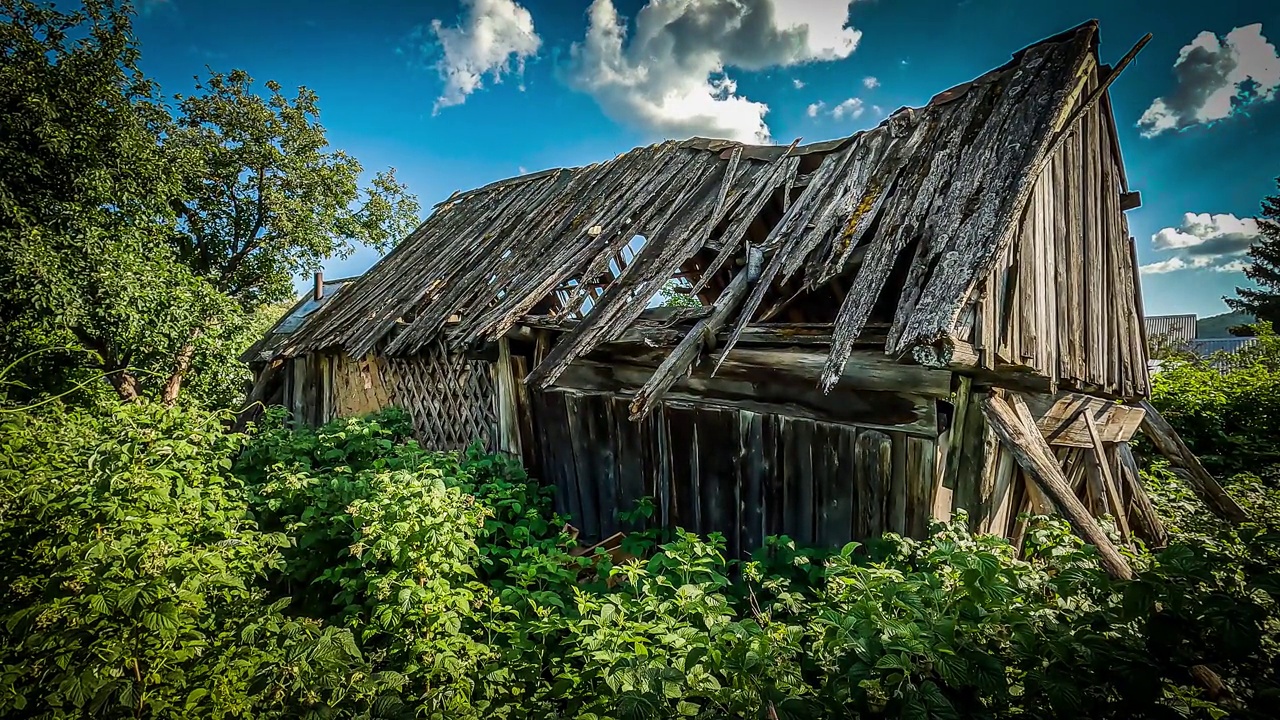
(908, 217)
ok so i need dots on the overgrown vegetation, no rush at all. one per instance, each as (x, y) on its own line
(1230, 419)
(158, 566)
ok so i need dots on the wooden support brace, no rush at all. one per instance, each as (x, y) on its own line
(1109, 486)
(1017, 429)
(1166, 440)
(1145, 520)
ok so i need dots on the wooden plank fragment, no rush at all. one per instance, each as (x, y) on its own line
(683, 357)
(1013, 422)
(1102, 469)
(1061, 419)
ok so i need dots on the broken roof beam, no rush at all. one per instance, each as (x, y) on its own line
(683, 357)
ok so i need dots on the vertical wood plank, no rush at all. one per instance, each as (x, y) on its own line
(896, 518)
(873, 463)
(921, 479)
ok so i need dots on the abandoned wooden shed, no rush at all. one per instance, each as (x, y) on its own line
(941, 312)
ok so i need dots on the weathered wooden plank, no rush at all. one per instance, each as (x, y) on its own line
(800, 480)
(1061, 419)
(1167, 441)
(753, 471)
(873, 467)
(507, 405)
(921, 475)
(1110, 488)
(686, 354)
(834, 486)
(898, 490)
(591, 520)
(1017, 430)
(630, 452)
(913, 414)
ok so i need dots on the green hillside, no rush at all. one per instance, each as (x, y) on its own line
(1219, 326)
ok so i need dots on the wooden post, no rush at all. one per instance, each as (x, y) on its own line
(1017, 429)
(317, 292)
(508, 415)
(1166, 440)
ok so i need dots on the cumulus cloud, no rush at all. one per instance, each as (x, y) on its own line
(1212, 235)
(851, 108)
(798, 83)
(1216, 77)
(668, 72)
(1204, 241)
(490, 38)
(870, 82)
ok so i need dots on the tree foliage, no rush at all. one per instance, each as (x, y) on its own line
(1264, 267)
(138, 236)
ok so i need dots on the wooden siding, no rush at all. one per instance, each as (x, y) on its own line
(1063, 301)
(451, 399)
(744, 474)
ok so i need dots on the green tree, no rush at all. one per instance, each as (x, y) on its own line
(83, 190)
(1264, 267)
(140, 238)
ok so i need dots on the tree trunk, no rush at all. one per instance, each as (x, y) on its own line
(125, 384)
(173, 386)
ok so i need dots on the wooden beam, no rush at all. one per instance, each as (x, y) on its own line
(1145, 520)
(1109, 486)
(686, 354)
(1130, 200)
(1017, 429)
(778, 394)
(1165, 438)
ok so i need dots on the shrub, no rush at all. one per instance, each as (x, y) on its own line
(1227, 409)
(440, 585)
(131, 576)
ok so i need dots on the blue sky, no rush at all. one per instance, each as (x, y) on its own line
(458, 94)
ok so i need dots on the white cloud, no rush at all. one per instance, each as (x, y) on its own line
(877, 109)
(815, 108)
(1233, 266)
(851, 108)
(798, 83)
(1209, 235)
(668, 75)
(1216, 78)
(490, 37)
(870, 82)
(1203, 241)
(1164, 266)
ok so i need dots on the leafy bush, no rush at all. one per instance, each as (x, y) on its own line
(440, 585)
(1230, 419)
(131, 582)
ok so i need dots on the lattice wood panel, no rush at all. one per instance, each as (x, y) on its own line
(450, 398)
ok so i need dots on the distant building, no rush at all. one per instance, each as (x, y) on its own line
(1163, 330)
(1178, 332)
